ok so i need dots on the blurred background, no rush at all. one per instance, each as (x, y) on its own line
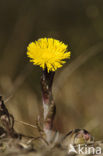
(78, 86)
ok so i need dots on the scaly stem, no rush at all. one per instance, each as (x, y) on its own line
(48, 102)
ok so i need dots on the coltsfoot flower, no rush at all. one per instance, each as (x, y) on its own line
(48, 53)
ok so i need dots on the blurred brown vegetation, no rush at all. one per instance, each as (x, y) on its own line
(79, 98)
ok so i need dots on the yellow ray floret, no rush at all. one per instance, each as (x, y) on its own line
(48, 53)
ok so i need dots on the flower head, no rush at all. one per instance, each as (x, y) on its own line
(48, 53)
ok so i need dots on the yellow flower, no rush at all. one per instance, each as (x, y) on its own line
(48, 53)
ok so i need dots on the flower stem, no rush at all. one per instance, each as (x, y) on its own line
(48, 102)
